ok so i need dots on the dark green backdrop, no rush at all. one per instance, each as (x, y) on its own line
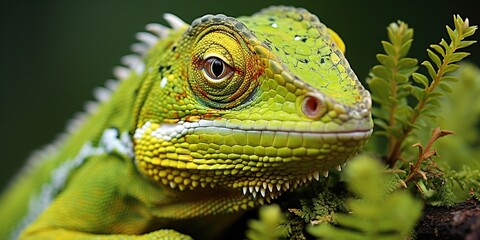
(53, 53)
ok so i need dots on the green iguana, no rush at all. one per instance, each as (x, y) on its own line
(208, 119)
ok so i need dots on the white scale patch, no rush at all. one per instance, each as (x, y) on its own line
(109, 142)
(169, 131)
(166, 131)
(163, 82)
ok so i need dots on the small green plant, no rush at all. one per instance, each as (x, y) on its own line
(388, 84)
(391, 86)
(402, 122)
(377, 213)
(269, 226)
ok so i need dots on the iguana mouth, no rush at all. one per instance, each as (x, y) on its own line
(169, 131)
(264, 163)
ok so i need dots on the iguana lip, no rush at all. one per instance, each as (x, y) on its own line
(340, 135)
(240, 126)
(330, 137)
(168, 131)
(356, 134)
(359, 131)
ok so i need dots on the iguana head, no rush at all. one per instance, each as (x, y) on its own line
(255, 105)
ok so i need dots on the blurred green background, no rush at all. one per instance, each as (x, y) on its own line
(53, 53)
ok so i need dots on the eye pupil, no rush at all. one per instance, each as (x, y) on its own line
(217, 67)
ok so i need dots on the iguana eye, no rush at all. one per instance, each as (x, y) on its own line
(224, 70)
(216, 69)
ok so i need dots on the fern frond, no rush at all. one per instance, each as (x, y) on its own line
(390, 85)
(387, 81)
(268, 227)
(440, 64)
(377, 213)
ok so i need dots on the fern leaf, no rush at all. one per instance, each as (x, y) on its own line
(377, 213)
(268, 227)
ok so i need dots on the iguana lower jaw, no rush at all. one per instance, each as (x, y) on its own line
(265, 184)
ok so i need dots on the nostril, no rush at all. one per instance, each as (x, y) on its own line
(313, 107)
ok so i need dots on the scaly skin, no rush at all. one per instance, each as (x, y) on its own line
(219, 116)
